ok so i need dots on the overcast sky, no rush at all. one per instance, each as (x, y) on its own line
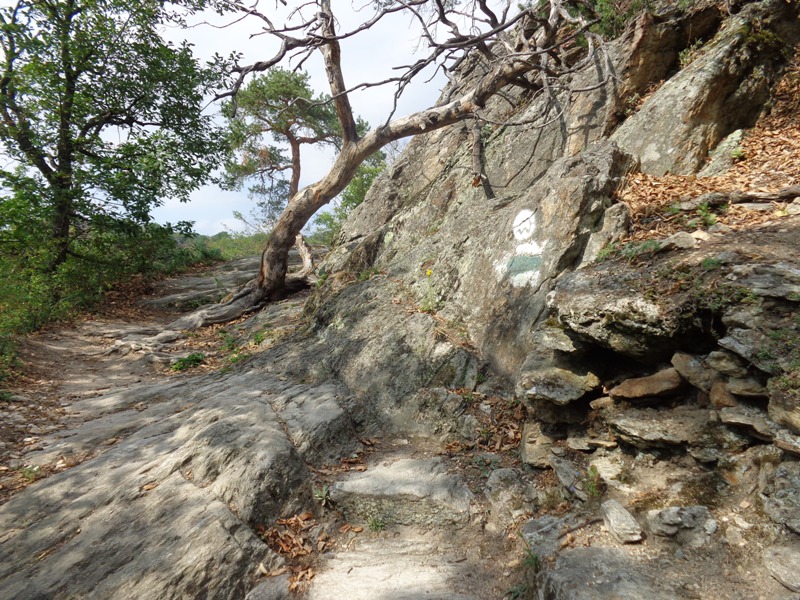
(368, 56)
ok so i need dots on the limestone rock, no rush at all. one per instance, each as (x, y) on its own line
(781, 495)
(506, 494)
(569, 477)
(663, 383)
(748, 344)
(220, 464)
(620, 523)
(647, 428)
(720, 396)
(690, 526)
(542, 534)
(741, 80)
(751, 417)
(680, 240)
(775, 280)
(783, 563)
(694, 370)
(721, 157)
(784, 408)
(273, 588)
(556, 385)
(727, 363)
(787, 441)
(747, 387)
(536, 445)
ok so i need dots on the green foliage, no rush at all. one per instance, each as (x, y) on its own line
(690, 53)
(614, 15)
(376, 524)
(367, 274)
(322, 495)
(630, 251)
(518, 592)
(273, 111)
(705, 217)
(738, 154)
(76, 73)
(101, 120)
(31, 473)
(785, 343)
(592, 482)
(194, 359)
(230, 246)
(709, 264)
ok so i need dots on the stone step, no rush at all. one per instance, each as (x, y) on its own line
(404, 492)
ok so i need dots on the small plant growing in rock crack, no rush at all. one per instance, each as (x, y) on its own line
(592, 483)
(705, 216)
(187, 362)
(31, 473)
(709, 264)
(322, 496)
(430, 302)
(229, 342)
(376, 524)
(532, 560)
(367, 274)
(518, 592)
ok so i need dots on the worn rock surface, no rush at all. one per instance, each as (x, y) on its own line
(405, 492)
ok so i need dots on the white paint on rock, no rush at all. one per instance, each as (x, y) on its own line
(522, 266)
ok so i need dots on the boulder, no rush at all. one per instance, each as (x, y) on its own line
(555, 385)
(694, 370)
(405, 492)
(173, 505)
(784, 407)
(727, 363)
(781, 495)
(783, 563)
(620, 523)
(600, 573)
(720, 397)
(536, 445)
(747, 387)
(649, 428)
(741, 74)
(690, 526)
(664, 383)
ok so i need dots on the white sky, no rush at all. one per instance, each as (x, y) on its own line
(368, 56)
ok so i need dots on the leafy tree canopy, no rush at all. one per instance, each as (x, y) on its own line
(273, 116)
(102, 118)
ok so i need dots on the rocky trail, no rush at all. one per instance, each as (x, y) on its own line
(583, 385)
(237, 478)
(140, 481)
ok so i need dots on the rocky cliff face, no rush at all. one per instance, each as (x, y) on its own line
(477, 262)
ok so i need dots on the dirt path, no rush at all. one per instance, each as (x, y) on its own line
(64, 364)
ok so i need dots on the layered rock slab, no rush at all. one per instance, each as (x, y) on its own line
(169, 512)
